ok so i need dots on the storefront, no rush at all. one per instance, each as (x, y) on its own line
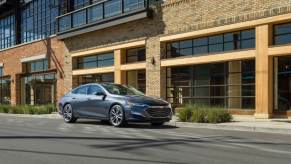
(282, 83)
(229, 84)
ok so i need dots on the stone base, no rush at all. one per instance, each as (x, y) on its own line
(263, 115)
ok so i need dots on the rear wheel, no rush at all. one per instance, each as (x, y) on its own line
(157, 123)
(68, 114)
(116, 116)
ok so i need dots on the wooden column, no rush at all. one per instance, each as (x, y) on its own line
(119, 76)
(264, 74)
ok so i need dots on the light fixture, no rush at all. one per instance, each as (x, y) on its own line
(153, 61)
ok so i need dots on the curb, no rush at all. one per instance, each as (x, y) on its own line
(232, 127)
(48, 116)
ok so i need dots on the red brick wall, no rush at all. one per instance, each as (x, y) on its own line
(11, 58)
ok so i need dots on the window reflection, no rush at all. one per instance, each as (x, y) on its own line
(282, 34)
(100, 60)
(7, 31)
(93, 78)
(216, 43)
(283, 83)
(228, 85)
(38, 19)
(135, 55)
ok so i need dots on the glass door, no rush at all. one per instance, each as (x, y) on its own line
(282, 83)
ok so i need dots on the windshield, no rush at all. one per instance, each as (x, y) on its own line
(121, 89)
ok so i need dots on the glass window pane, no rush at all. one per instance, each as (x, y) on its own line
(282, 39)
(112, 8)
(130, 5)
(79, 18)
(248, 34)
(201, 50)
(186, 52)
(135, 55)
(95, 13)
(248, 43)
(200, 42)
(186, 44)
(216, 39)
(229, 37)
(216, 48)
(282, 29)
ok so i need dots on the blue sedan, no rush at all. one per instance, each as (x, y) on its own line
(115, 103)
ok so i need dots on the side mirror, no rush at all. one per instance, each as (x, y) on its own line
(101, 94)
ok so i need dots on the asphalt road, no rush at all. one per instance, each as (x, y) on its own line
(50, 141)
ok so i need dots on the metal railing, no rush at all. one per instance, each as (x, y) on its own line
(98, 12)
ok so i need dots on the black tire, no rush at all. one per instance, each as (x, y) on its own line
(157, 123)
(68, 114)
(116, 116)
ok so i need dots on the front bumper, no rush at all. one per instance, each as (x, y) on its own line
(148, 114)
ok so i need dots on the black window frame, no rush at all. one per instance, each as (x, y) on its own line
(98, 61)
(281, 34)
(31, 67)
(174, 48)
(187, 79)
(135, 54)
(93, 78)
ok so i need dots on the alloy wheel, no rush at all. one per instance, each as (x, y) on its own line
(68, 113)
(116, 115)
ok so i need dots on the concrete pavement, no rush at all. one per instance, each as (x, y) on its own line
(240, 123)
(40, 140)
(244, 123)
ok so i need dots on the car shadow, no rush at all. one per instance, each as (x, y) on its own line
(128, 125)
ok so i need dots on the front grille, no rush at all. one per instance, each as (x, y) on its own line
(159, 111)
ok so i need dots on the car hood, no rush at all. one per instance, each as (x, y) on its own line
(151, 101)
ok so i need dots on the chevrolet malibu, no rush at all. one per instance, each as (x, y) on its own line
(115, 103)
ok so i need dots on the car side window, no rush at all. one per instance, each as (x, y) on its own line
(81, 90)
(93, 89)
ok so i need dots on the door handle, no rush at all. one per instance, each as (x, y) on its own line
(73, 98)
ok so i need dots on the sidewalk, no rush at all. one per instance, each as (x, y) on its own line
(54, 115)
(244, 123)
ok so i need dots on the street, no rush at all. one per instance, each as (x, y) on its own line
(48, 141)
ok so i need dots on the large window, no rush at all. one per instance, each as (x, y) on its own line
(38, 89)
(7, 32)
(93, 78)
(37, 66)
(135, 55)
(38, 19)
(282, 34)
(218, 43)
(282, 66)
(100, 60)
(5, 92)
(136, 79)
(96, 12)
(228, 84)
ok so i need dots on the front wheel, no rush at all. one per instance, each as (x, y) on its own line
(68, 114)
(116, 116)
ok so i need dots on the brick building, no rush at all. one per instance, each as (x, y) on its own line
(233, 54)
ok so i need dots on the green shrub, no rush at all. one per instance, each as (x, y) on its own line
(199, 115)
(28, 109)
(203, 114)
(184, 114)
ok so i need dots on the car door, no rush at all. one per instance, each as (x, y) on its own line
(79, 99)
(97, 103)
